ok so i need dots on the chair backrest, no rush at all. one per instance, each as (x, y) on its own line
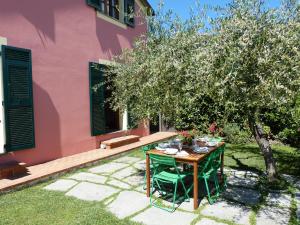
(207, 162)
(158, 160)
(217, 157)
(148, 147)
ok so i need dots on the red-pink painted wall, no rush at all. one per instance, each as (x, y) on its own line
(64, 35)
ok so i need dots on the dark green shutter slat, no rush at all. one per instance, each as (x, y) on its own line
(97, 100)
(18, 98)
(129, 8)
(95, 4)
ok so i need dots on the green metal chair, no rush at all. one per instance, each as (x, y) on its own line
(206, 170)
(217, 163)
(209, 169)
(145, 149)
(161, 178)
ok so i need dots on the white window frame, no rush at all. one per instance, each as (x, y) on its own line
(3, 41)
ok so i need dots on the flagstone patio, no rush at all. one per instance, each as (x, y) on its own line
(119, 185)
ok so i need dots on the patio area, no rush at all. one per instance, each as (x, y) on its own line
(118, 185)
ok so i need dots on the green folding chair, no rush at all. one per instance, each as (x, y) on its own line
(145, 149)
(206, 171)
(162, 178)
(217, 163)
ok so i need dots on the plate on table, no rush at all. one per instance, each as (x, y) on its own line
(171, 151)
(201, 149)
(182, 153)
(160, 149)
(202, 139)
(163, 145)
(212, 143)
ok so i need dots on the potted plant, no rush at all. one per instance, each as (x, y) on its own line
(186, 137)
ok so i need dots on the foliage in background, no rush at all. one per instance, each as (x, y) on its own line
(245, 62)
(284, 123)
(237, 135)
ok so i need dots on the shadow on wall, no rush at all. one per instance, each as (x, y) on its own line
(38, 12)
(47, 126)
(47, 132)
(107, 35)
(113, 39)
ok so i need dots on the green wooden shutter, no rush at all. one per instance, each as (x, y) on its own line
(97, 4)
(18, 98)
(97, 100)
(129, 11)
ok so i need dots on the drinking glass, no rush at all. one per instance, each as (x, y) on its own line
(180, 146)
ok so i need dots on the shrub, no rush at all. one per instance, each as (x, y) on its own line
(235, 134)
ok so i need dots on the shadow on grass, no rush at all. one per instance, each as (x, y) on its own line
(242, 166)
(249, 157)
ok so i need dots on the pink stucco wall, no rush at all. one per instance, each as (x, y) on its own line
(64, 35)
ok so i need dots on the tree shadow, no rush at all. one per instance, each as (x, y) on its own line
(242, 166)
(41, 14)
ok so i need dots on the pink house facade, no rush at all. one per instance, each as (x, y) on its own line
(62, 37)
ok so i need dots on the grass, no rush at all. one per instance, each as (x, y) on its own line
(248, 157)
(35, 206)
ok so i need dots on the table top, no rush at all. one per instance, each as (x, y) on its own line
(192, 157)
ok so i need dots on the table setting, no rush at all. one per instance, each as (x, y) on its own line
(180, 147)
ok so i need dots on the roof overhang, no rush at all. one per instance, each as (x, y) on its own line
(150, 10)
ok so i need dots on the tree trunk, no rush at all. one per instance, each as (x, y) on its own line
(264, 145)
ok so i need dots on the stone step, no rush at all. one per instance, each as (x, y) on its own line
(12, 169)
(120, 141)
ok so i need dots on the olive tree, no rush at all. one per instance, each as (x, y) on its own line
(255, 63)
(247, 59)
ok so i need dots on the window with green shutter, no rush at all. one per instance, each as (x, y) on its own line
(103, 118)
(121, 10)
(96, 99)
(18, 98)
(129, 11)
(97, 4)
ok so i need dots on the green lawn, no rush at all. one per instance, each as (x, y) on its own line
(36, 206)
(248, 157)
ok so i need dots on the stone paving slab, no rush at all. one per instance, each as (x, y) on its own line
(141, 189)
(297, 184)
(89, 177)
(228, 211)
(189, 206)
(269, 215)
(242, 195)
(240, 173)
(289, 178)
(127, 159)
(108, 168)
(91, 192)
(125, 173)
(128, 203)
(279, 199)
(135, 180)
(206, 221)
(248, 182)
(140, 165)
(119, 184)
(61, 185)
(156, 216)
(297, 198)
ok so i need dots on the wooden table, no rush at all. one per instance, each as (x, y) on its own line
(192, 159)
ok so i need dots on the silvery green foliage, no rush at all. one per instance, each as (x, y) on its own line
(247, 59)
(255, 55)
